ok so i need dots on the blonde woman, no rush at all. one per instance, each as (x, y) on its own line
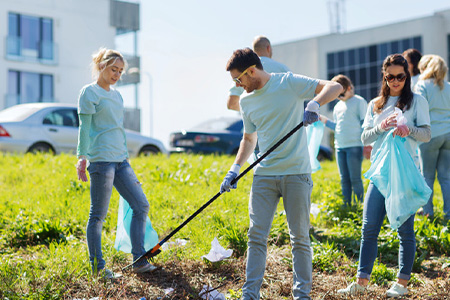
(102, 142)
(435, 155)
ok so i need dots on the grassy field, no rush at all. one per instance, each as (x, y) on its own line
(44, 253)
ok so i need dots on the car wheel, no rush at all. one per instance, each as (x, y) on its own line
(40, 147)
(149, 150)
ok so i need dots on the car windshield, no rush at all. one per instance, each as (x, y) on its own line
(17, 113)
(216, 124)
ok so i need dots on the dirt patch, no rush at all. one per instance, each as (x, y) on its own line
(185, 280)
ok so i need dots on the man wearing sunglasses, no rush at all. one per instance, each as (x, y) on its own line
(274, 104)
(263, 48)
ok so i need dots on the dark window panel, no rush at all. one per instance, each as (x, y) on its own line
(341, 59)
(383, 52)
(351, 57)
(363, 76)
(352, 75)
(373, 93)
(375, 75)
(406, 44)
(373, 53)
(362, 55)
(330, 61)
(394, 47)
(417, 43)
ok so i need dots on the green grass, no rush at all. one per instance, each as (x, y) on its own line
(45, 209)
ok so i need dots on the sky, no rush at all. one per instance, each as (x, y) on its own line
(184, 47)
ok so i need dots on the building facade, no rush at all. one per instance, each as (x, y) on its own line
(360, 54)
(47, 46)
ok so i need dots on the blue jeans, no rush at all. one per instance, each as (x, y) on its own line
(349, 162)
(105, 175)
(264, 197)
(435, 156)
(373, 216)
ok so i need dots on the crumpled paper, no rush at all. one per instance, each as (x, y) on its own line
(208, 293)
(315, 210)
(217, 252)
(177, 243)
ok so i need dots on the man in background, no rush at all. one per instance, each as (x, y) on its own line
(263, 48)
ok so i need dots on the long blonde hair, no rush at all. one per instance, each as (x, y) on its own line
(103, 58)
(433, 67)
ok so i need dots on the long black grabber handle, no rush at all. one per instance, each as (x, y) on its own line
(155, 250)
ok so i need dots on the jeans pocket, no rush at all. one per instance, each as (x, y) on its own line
(99, 167)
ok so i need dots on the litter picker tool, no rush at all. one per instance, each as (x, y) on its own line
(155, 250)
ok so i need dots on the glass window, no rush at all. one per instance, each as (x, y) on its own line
(47, 39)
(383, 51)
(330, 61)
(362, 55)
(373, 53)
(352, 75)
(13, 24)
(362, 76)
(373, 92)
(375, 76)
(417, 43)
(47, 88)
(406, 44)
(341, 59)
(351, 57)
(62, 117)
(29, 32)
(394, 47)
(29, 87)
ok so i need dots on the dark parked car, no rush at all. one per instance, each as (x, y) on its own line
(221, 136)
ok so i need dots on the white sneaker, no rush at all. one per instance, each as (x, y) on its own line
(148, 268)
(397, 290)
(353, 289)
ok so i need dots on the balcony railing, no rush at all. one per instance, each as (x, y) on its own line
(14, 99)
(45, 51)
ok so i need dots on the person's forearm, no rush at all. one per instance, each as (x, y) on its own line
(421, 133)
(246, 148)
(331, 125)
(329, 92)
(370, 135)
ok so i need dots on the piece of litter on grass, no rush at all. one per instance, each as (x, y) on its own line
(168, 291)
(315, 210)
(208, 293)
(217, 252)
(177, 243)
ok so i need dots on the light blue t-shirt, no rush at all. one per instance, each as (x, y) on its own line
(439, 103)
(348, 116)
(417, 115)
(272, 112)
(269, 65)
(107, 139)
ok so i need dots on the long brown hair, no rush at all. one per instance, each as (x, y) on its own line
(406, 97)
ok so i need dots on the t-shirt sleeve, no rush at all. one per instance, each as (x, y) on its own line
(368, 119)
(83, 134)
(362, 109)
(422, 111)
(86, 101)
(305, 87)
(236, 90)
(249, 127)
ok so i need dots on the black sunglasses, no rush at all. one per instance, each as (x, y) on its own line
(400, 77)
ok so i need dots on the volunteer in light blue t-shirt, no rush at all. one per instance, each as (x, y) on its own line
(435, 154)
(381, 120)
(273, 106)
(102, 142)
(348, 115)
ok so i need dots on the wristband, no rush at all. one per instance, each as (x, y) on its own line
(235, 168)
(316, 102)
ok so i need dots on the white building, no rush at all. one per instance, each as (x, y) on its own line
(47, 46)
(360, 54)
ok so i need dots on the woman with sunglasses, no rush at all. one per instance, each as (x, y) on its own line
(380, 121)
(348, 115)
(435, 155)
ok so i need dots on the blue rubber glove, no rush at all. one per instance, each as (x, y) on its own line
(311, 113)
(232, 174)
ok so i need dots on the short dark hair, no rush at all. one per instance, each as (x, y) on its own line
(414, 56)
(342, 80)
(242, 59)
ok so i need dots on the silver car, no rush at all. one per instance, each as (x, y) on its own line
(45, 127)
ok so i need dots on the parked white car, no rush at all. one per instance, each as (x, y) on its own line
(45, 127)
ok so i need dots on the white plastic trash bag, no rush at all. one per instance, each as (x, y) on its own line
(209, 293)
(123, 242)
(217, 252)
(314, 133)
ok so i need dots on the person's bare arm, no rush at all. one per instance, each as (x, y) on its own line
(233, 103)
(246, 148)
